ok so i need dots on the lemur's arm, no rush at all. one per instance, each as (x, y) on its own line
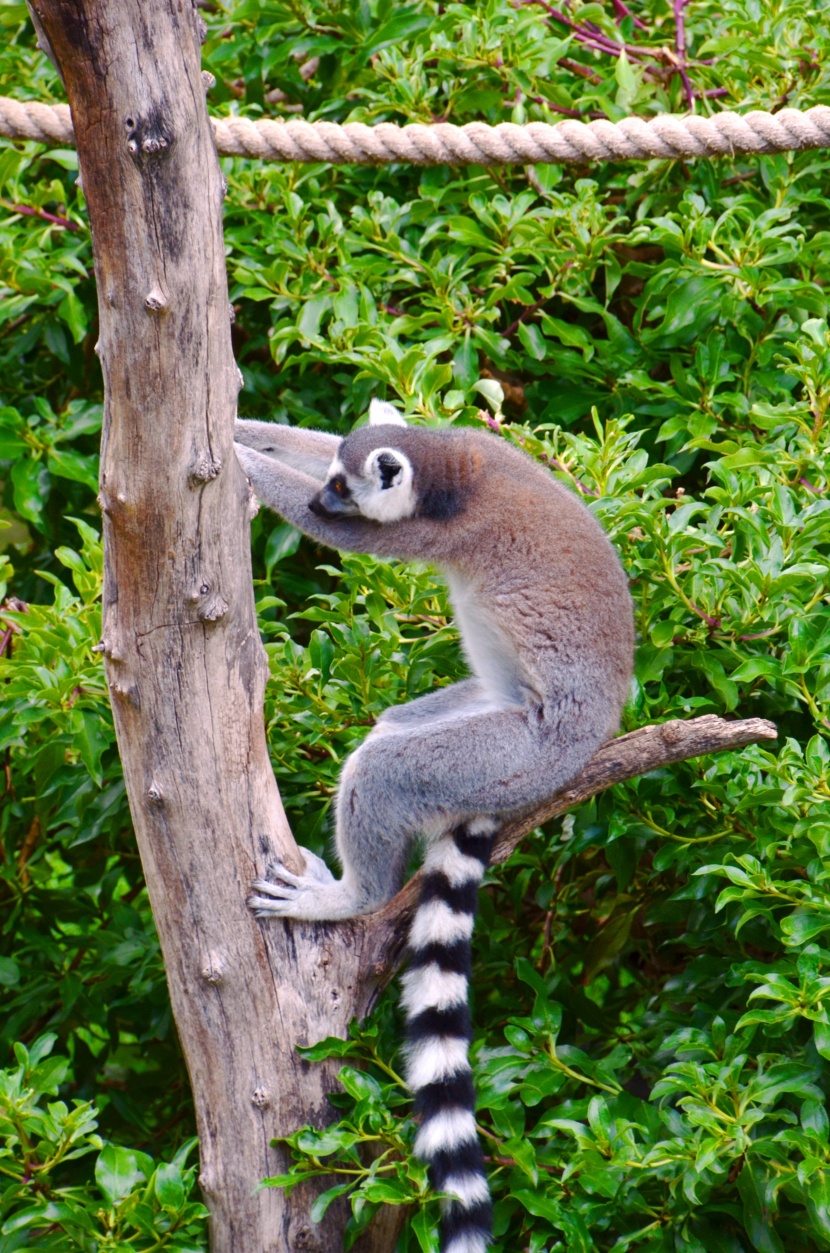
(288, 492)
(312, 452)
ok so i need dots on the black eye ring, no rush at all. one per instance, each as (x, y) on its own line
(390, 468)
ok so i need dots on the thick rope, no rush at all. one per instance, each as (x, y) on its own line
(666, 135)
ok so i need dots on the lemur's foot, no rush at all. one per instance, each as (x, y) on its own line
(315, 894)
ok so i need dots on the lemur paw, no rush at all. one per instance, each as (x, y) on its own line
(288, 895)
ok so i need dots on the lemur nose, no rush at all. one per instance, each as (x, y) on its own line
(317, 507)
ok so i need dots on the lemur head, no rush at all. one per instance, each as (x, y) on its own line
(389, 472)
(371, 474)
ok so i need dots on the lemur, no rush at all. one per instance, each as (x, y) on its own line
(546, 625)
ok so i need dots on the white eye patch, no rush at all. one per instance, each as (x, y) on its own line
(386, 493)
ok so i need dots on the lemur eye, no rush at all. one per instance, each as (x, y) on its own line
(338, 486)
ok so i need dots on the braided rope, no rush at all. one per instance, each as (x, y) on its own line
(665, 135)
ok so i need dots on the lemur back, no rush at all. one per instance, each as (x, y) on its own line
(546, 624)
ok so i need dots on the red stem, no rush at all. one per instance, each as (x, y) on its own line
(622, 10)
(593, 38)
(556, 108)
(523, 317)
(29, 211)
(680, 49)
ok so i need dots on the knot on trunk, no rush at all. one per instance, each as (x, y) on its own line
(147, 137)
(211, 605)
(204, 468)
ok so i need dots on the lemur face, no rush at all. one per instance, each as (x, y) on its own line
(378, 484)
(371, 475)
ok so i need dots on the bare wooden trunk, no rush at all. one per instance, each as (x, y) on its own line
(184, 661)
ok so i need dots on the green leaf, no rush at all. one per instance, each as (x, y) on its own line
(394, 30)
(533, 340)
(324, 1200)
(70, 465)
(424, 1232)
(814, 1118)
(492, 392)
(312, 315)
(91, 740)
(30, 484)
(12, 443)
(539, 1205)
(119, 1170)
(818, 1203)
(821, 1037)
(9, 972)
(626, 80)
(754, 1188)
(607, 944)
(387, 1192)
(169, 1185)
(801, 928)
(72, 310)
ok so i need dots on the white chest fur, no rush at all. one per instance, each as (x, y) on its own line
(488, 648)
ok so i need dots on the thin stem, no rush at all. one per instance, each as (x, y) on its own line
(680, 49)
(387, 1069)
(810, 702)
(714, 623)
(622, 11)
(36, 212)
(524, 317)
(574, 1074)
(595, 39)
(680, 839)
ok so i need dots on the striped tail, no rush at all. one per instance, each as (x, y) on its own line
(438, 1032)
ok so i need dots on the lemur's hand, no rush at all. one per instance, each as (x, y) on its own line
(313, 895)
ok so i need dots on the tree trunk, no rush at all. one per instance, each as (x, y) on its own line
(184, 662)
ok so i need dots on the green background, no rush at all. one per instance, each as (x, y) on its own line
(652, 974)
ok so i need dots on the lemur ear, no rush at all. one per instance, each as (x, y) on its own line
(381, 413)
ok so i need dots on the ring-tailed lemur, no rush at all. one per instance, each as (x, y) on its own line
(546, 624)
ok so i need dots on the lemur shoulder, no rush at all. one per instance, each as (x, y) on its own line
(545, 617)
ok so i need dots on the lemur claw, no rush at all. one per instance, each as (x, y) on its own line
(282, 889)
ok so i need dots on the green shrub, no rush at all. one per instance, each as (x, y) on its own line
(133, 1205)
(653, 1048)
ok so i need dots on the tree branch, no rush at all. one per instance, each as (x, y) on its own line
(640, 752)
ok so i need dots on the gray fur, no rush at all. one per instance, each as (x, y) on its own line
(310, 452)
(546, 624)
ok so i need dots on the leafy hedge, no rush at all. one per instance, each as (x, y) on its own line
(652, 973)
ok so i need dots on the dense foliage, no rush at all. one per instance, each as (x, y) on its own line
(653, 973)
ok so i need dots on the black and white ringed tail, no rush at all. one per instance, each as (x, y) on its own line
(438, 1032)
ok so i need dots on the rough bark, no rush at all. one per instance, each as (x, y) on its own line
(185, 666)
(184, 662)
